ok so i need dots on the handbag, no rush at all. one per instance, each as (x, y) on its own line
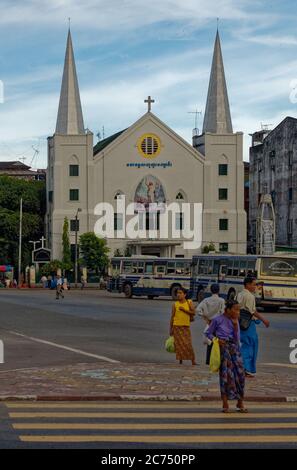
(245, 319)
(169, 345)
(215, 356)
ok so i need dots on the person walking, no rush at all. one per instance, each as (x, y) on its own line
(208, 309)
(183, 312)
(83, 282)
(59, 288)
(249, 337)
(44, 282)
(225, 327)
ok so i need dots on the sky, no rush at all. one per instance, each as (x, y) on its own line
(126, 50)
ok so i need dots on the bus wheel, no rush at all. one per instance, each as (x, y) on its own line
(128, 291)
(231, 295)
(173, 291)
(200, 295)
(151, 297)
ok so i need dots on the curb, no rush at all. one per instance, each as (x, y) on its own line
(196, 398)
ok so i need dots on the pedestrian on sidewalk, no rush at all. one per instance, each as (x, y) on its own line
(183, 312)
(249, 337)
(225, 327)
(59, 288)
(44, 282)
(208, 309)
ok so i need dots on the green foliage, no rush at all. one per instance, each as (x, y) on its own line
(208, 248)
(67, 264)
(51, 268)
(33, 194)
(128, 251)
(118, 253)
(94, 252)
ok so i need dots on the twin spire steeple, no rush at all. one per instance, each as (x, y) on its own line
(217, 118)
(70, 118)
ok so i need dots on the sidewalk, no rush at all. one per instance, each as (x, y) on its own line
(141, 382)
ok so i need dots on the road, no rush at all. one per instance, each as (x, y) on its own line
(109, 425)
(91, 326)
(100, 326)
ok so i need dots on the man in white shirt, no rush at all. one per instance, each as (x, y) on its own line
(208, 309)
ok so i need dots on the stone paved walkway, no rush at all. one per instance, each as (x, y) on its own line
(142, 381)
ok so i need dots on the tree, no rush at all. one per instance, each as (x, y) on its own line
(33, 194)
(66, 260)
(94, 252)
(51, 267)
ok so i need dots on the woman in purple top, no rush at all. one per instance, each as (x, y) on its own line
(232, 378)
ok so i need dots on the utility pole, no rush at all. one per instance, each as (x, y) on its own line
(20, 243)
(76, 249)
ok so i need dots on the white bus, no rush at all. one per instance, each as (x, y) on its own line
(148, 276)
(276, 277)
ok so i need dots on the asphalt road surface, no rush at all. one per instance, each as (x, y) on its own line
(109, 425)
(37, 330)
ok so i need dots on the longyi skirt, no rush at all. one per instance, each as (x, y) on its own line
(232, 375)
(183, 343)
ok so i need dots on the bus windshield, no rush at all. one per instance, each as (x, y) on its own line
(279, 267)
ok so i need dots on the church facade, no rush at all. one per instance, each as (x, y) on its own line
(148, 164)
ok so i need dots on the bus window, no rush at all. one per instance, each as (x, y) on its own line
(251, 267)
(210, 267)
(149, 268)
(235, 271)
(230, 267)
(187, 269)
(140, 267)
(171, 267)
(243, 268)
(203, 266)
(180, 268)
(216, 266)
(127, 267)
(160, 270)
(195, 268)
(134, 267)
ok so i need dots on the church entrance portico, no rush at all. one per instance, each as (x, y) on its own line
(153, 248)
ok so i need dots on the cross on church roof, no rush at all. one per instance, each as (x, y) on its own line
(149, 102)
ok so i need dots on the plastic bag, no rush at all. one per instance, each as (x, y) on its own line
(169, 345)
(215, 356)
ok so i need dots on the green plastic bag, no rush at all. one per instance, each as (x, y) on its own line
(169, 345)
(215, 356)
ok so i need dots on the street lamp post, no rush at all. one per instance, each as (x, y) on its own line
(76, 249)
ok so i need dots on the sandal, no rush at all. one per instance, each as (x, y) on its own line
(242, 410)
(225, 410)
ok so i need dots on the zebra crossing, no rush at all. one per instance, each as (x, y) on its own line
(152, 423)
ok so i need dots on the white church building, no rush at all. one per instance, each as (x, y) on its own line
(147, 163)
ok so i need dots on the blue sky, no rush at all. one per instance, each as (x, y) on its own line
(128, 49)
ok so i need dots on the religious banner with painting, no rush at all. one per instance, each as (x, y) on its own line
(149, 193)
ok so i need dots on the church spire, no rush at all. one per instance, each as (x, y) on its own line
(217, 118)
(70, 117)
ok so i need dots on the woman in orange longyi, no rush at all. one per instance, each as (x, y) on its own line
(183, 311)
